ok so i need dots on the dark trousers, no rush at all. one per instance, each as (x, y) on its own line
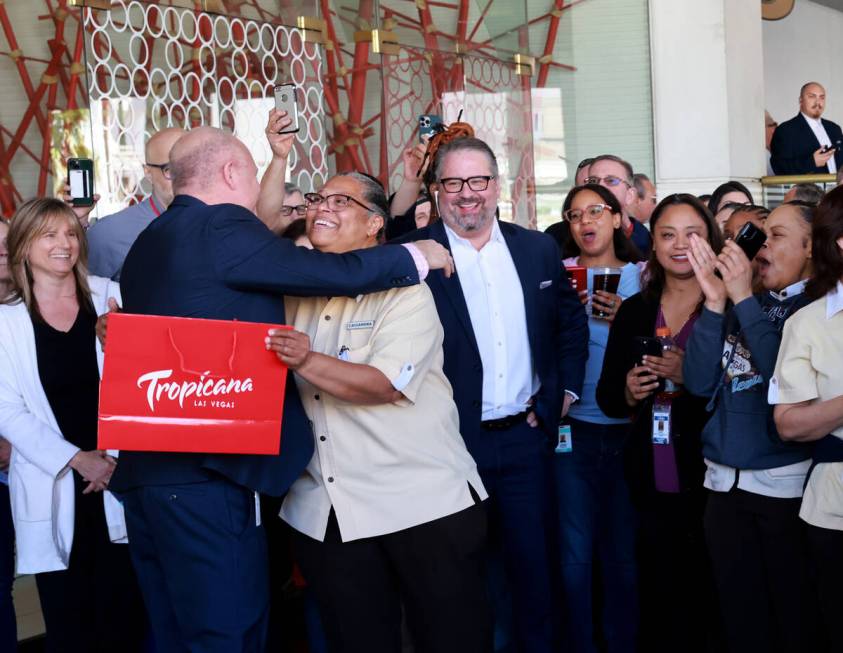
(677, 595)
(759, 559)
(201, 563)
(94, 605)
(435, 569)
(515, 467)
(826, 547)
(8, 623)
(596, 517)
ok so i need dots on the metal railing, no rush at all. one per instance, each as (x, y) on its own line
(775, 187)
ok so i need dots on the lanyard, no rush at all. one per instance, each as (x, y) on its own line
(155, 209)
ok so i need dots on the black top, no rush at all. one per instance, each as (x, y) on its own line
(67, 365)
(637, 317)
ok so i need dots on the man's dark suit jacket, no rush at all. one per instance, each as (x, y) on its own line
(793, 146)
(221, 262)
(556, 323)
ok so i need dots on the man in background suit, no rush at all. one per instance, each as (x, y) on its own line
(516, 342)
(799, 145)
(198, 550)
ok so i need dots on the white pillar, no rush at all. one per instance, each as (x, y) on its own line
(708, 94)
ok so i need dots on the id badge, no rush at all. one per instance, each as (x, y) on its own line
(566, 442)
(661, 423)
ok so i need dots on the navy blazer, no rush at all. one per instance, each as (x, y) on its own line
(221, 262)
(793, 146)
(556, 323)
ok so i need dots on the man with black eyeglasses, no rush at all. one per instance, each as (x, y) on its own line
(111, 237)
(615, 174)
(516, 342)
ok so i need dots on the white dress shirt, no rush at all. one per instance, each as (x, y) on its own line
(495, 300)
(817, 127)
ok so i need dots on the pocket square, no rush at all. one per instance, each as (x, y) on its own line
(545, 284)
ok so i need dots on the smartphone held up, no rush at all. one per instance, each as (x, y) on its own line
(285, 100)
(750, 239)
(80, 178)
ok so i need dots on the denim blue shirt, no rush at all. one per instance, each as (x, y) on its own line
(586, 409)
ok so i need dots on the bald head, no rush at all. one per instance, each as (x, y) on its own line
(158, 146)
(157, 154)
(215, 167)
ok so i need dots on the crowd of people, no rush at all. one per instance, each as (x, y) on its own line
(478, 453)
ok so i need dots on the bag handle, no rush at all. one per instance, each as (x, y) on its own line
(185, 369)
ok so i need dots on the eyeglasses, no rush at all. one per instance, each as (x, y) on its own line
(300, 209)
(592, 211)
(163, 167)
(608, 180)
(335, 202)
(455, 184)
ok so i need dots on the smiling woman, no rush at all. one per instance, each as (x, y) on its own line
(348, 213)
(49, 385)
(665, 474)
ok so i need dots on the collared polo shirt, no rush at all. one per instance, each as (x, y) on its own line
(808, 369)
(387, 467)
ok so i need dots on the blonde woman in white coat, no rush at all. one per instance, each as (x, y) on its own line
(66, 527)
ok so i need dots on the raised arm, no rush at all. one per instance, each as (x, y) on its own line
(411, 183)
(271, 197)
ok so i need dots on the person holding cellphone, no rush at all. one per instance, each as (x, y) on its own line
(754, 479)
(593, 505)
(665, 476)
(807, 393)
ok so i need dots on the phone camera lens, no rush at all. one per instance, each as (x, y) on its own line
(283, 98)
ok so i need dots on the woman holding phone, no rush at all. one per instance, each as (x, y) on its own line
(594, 509)
(754, 479)
(665, 473)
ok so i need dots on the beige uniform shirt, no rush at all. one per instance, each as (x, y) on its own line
(387, 467)
(810, 368)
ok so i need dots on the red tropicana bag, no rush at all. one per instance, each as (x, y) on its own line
(190, 385)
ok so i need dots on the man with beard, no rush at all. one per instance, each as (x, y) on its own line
(516, 342)
(807, 144)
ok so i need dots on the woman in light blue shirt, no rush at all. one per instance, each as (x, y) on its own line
(594, 509)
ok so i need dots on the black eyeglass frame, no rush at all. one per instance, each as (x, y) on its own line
(312, 203)
(163, 167)
(443, 183)
(300, 209)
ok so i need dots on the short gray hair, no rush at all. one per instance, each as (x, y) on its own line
(638, 180)
(290, 187)
(468, 144)
(373, 193)
(810, 193)
(623, 162)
